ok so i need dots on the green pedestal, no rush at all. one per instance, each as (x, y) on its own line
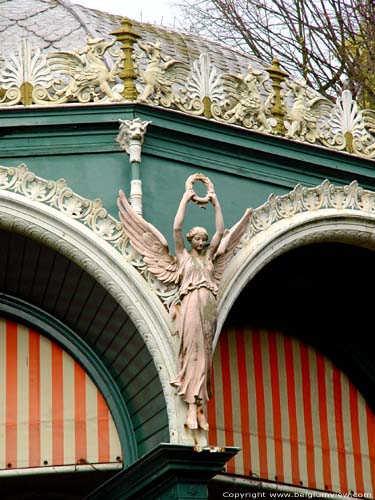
(169, 472)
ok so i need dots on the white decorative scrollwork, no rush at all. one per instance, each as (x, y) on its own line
(303, 199)
(31, 77)
(91, 213)
(198, 88)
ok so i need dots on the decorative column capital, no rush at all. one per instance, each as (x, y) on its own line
(131, 137)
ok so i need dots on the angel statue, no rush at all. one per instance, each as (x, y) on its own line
(197, 272)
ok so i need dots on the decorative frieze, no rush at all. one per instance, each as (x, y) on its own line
(260, 99)
(303, 199)
(31, 77)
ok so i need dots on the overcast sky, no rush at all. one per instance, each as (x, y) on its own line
(160, 12)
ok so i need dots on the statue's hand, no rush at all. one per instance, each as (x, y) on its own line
(212, 197)
(188, 195)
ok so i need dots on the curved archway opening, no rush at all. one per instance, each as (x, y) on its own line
(294, 373)
(320, 294)
(44, 288)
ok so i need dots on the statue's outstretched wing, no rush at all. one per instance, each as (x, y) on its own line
(234, 85)
(369, 119)
(69, 63)
(320, 107)
(148, 241)
(176, 71)
(228, 244)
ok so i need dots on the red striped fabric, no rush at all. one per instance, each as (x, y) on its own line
(297, 418)
(51, 413)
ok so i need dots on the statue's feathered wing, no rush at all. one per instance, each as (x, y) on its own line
(70, 63)
(228, 244)
(149, 242)
(369, 120)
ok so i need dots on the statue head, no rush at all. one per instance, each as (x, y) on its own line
(198, 238)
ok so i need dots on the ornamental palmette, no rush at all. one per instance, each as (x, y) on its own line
(345, 130)
(204, 88)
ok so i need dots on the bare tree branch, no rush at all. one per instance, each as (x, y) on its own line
(327, 42)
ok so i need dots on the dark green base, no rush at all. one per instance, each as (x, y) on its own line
(172, 472)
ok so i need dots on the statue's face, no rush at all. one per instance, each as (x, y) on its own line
(198, 241)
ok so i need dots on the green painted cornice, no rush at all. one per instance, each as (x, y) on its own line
(174, 136)
(168, 471)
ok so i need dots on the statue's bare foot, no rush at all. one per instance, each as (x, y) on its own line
(203, 424)
(191, 418)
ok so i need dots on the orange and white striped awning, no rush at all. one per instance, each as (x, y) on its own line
(297, 418)
(51, 413)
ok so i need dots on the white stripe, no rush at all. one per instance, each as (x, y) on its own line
(114, 441)
(287, 458)
(348, 437)
(2, 392)
(335, 477)
(236, 402)
(45, 401)
(362, 420)
(314, 388)
(69, 409)
(219, 399)
(23, 381)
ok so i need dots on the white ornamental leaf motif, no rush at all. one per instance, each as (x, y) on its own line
(36, 190)
(27, 65)
(204, 80)
(347, 117)
(3, 178)
(105, 227)
(73, 207)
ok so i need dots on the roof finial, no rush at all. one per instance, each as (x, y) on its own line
(278, 111)
(127, 37)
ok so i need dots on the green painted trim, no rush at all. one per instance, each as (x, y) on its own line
(80, 351)
(181, 138)
(167, 471)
